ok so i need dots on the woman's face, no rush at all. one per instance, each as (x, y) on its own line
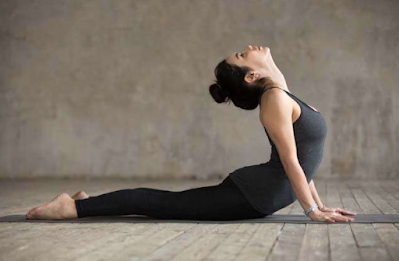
(253, 57)
(257, 58)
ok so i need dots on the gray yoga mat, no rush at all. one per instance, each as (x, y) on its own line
(298, 219)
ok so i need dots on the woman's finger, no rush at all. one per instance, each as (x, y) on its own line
(347, 212)
(342, 218)
(330, 220)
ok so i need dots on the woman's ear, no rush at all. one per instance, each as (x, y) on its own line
(251, 76)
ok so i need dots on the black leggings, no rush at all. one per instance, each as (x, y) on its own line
(219, 202)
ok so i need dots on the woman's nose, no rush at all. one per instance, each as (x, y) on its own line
(249, 48)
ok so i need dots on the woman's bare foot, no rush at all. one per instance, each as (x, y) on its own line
(80, 195)
(61, 207)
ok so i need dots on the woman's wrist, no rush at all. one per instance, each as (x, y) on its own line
(310, 209)
(321, 207)
(314, 213)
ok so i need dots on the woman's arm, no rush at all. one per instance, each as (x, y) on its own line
(276, 116)
(322, 207)
(315, 195)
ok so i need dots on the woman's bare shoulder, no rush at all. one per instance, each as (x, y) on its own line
(274, 102)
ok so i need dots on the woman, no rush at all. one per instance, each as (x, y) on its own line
(295, 130)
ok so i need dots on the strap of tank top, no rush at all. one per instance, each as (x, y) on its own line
(275, 87)
(269, 89)
(289, 94)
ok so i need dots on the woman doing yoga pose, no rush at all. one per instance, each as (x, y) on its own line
(295, 130)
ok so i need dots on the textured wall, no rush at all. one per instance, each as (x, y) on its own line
(120, 88)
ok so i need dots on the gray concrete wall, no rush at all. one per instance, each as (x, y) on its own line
(120, 88)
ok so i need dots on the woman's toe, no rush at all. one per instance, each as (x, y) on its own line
(29, 214)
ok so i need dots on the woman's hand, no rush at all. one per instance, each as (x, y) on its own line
(330, 216)
(337, 210)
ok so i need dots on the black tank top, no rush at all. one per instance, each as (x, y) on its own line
(266, 186)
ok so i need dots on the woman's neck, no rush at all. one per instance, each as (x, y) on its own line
(275, 74)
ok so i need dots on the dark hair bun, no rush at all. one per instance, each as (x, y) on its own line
(217, 93)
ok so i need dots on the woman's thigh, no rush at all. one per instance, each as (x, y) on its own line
(219, 202)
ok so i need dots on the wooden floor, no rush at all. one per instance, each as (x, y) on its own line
(192, 241)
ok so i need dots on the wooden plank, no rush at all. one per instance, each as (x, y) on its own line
(372, 192)
(369, 242)
(7, 230)
(145, 245)
(373, 254)
(41, 242)
(365, 234)
(173, 247)
(109, 247)
(387, 196)
(232, 245)
(291, 237)
(100, 239)
(364, 202)
(342, 242)
(391, 188)
(315, 243)
(298, 245)
(390, 236)
(260, 245)
(347, 199)
(207, 243)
